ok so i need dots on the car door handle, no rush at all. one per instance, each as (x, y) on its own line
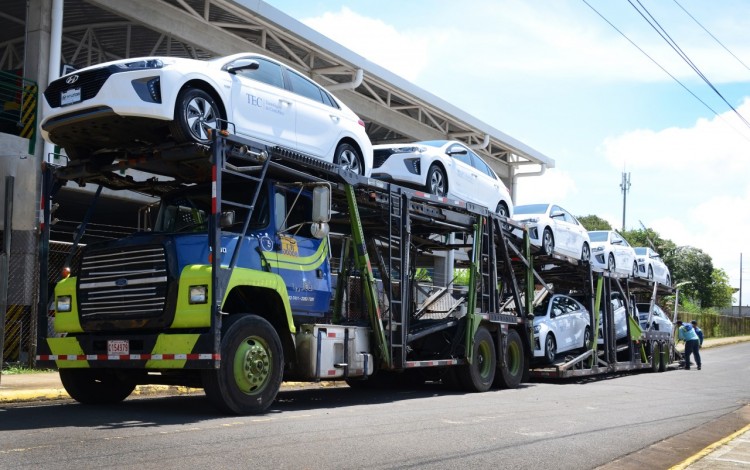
(286, 102)
(334, 118)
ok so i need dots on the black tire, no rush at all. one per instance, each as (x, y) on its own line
(479, 375)
(548, 242)
(669, 280)
(347, 157)
(550, 348)
(587, 339)
(502, 209)
(650, 272)
(585, 253)
(195, 112)
(437, 182)
(252, 367)
(635, 269)
(611, 263)
(510, 374)
(663, 357)
(655, 356)
(95, 386)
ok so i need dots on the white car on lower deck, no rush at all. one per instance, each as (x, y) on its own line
(134, 103)
(444, 168)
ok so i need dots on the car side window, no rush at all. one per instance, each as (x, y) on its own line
(267, 72)
(329, 100)
(461, 157)
(558, 308)
(304, 87)
(482, 166)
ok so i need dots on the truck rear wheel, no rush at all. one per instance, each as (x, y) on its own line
(252, 367)
(655, 356)
(510, 374)
(95, 386)
(664, 357)
(479, 375)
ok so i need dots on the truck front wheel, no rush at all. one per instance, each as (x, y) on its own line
(252, 367)
(95, 386)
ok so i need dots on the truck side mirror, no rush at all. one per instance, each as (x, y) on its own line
(321, 211)
(226, 219)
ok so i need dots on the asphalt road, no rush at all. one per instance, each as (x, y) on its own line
(574, 424)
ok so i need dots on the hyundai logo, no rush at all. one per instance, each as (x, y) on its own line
(71, 80)
(122, 282)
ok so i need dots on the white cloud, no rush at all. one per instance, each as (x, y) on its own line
(403, 53)
(552, 187)
(511, 37)
(705, 197)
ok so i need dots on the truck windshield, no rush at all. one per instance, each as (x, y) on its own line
(189, 210)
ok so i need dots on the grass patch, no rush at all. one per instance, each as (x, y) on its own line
(15, 369)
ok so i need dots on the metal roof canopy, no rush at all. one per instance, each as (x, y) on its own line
(395, 110)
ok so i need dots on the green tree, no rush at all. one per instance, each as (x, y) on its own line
(721, 290)
(688, 263)
(642, 237)
(593, 222)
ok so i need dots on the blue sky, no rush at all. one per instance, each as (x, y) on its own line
(557, 77)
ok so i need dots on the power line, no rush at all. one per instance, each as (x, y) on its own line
(665, 70)
(673, 44)
(709, 33)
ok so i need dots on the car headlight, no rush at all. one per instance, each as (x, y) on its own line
(198, 294)
(410, 149)
(63, 303)
(532, 220)
(141, 64)
(597, 248)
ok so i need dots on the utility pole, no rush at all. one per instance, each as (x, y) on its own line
(625, 186)
(739, 313)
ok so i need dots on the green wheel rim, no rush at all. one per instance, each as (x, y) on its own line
(514, 358)
(484, 359)
(252, 365)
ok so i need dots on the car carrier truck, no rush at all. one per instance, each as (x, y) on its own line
(266, 265)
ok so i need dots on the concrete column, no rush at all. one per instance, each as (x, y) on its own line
(36, 62)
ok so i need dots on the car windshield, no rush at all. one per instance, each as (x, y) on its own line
(433, 143)
(598, 236)
(531, 209)
(640, 251)
(188, 210)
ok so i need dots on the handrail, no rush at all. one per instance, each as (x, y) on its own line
(18, 107)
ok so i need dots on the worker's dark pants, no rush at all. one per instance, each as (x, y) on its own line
(692, 347)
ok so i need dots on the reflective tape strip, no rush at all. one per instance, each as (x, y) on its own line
(128, 357)
(442, 362)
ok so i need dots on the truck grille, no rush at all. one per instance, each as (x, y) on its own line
(128, 283)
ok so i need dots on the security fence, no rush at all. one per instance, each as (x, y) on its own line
(21, 314)
(718, 326)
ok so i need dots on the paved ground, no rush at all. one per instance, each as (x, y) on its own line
(730, 452)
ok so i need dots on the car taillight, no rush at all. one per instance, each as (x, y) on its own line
(361, 122)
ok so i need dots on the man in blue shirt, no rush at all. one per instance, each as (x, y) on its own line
(698, 332)
(692, 343)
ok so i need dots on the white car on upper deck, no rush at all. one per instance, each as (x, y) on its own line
(134, 103)
(554, 230)
(651, 266)
(611, 252)
(445, 168)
